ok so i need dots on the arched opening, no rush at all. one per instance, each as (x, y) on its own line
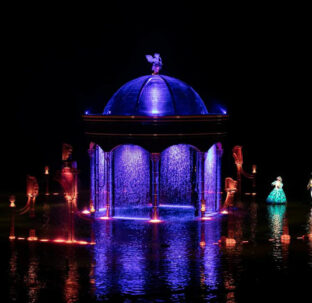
(179, 181)
(131, 181)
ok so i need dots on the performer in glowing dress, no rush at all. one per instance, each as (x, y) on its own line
(277, 195)
(309, 186)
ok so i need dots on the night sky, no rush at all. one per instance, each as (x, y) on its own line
(255, 62)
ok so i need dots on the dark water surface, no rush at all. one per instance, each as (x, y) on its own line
(173, 261)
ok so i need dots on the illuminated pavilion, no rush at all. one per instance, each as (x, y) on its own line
(155, 149)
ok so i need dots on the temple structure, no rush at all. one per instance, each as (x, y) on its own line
(156, 148)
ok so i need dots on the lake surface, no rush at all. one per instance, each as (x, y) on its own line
(173, 261)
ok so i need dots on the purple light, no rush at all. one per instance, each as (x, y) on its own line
(155, 98)
(131, 170)
(86, 112)
(176, 206)
(212, 176)
(175, 172)
(223, 110)
(131, 218)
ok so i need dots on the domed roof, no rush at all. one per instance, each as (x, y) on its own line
(155, 95)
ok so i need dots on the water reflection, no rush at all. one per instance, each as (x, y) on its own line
(31, 279)
(210, 233)
(233, 254)
(253, 218)
(174, 261)
(135, 257)
(278, 232)
(71, 285)
(309, 233)
(13, 274)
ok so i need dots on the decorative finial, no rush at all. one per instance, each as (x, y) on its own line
(157, 63)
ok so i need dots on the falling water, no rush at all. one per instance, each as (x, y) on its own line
(211, 179)
(177, 175)
(131, 175)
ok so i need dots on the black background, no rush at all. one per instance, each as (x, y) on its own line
(59, 62)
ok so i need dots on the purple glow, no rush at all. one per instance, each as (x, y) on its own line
(154, 98)
(210, 232)
(128, 183)
(211, 179)
(177, 175)
(97, 178)
(223, 110)
(132, 257)
(132, 218)
(131, 170)
(176, 206)
(101, 177)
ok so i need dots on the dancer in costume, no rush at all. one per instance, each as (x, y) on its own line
(277, 195)
(309, 186)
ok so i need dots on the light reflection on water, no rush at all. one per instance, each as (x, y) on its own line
(309, 231)
(171, 261)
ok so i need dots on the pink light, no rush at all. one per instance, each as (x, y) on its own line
(70, 242)
(104, 218)
(20, 238)
(12, 201)
(85, 212)
(44, 240)
(206, 218)
(154, 221)
(224, 212)
(285, 239)
(229, 242)
(59, 240)
(46, 170)
(83, 242)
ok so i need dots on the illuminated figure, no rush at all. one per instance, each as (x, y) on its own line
(309, 186)
(277, 195)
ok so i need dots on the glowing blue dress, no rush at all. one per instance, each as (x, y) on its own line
(277, 195)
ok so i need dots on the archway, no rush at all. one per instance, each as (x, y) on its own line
(178, 179)
(131, 181)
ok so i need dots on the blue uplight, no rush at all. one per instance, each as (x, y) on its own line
(222, 110)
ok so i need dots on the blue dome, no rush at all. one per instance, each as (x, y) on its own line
(155, 95)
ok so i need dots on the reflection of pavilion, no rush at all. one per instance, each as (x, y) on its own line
(155, 147)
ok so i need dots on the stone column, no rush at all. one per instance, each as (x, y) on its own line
(218, 176)
(155, 157)
(202, 183)
(91, 152)
(107, 183)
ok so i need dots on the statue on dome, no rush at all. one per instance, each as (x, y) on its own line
(157, 62)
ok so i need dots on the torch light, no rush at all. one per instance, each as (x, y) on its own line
(254, 169)
(12, 201)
